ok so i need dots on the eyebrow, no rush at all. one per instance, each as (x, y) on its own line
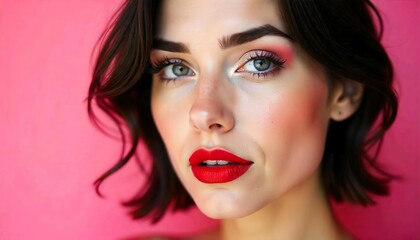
(169, 46)
(226, 41)
(251, 35)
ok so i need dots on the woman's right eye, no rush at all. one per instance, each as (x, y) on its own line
(176, 70)
(171, 69)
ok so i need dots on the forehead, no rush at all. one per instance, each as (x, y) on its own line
(179, 19)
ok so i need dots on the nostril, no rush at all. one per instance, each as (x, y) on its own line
(215, 126)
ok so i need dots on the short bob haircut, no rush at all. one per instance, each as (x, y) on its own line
(338, 34)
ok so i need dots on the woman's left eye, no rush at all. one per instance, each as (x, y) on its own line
(258, 65)
(261, 63)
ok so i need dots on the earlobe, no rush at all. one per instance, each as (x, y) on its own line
(347, 97)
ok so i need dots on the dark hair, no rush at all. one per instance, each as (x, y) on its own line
(340, 35)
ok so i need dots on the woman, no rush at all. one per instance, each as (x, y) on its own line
(263, 108)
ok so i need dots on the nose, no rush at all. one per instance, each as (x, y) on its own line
(210, 111)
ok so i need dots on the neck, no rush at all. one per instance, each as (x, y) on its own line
(303, 213)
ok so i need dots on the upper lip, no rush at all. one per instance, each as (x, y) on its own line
(201, 155)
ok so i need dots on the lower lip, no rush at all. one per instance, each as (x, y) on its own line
(219, 174)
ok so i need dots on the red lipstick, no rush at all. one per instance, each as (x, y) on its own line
(217, 166)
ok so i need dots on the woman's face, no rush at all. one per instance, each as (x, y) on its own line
(231, 86)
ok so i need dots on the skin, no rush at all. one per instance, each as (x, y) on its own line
(279, 121)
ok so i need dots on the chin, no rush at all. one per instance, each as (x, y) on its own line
(226, 204)
(222, 213)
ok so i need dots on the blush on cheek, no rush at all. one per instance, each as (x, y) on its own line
(299, 119)
(299, 132)
(311, 117)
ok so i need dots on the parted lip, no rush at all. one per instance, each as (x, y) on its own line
(201, 155)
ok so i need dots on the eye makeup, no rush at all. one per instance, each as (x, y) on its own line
(256, 64)
(170, 69)
(265, 63)
(159, 64)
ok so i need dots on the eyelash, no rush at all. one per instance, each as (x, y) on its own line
(158, 65)
(274, 59)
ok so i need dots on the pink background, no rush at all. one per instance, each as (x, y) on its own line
(50, 153)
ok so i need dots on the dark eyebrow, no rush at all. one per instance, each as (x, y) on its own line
(251, 35)
(227, 41)
(170, 46)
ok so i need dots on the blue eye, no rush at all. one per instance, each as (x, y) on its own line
(171, 68)
(177, 70)
(260, 63)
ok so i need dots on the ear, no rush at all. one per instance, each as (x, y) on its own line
(346, 99)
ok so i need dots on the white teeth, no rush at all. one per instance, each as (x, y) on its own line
(211, 162)
(216, 162)
(222, 162)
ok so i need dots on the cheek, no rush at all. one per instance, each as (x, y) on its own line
(303, 124)
(171, 121)
(170, 113)
(299, 115)
(293, 131)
